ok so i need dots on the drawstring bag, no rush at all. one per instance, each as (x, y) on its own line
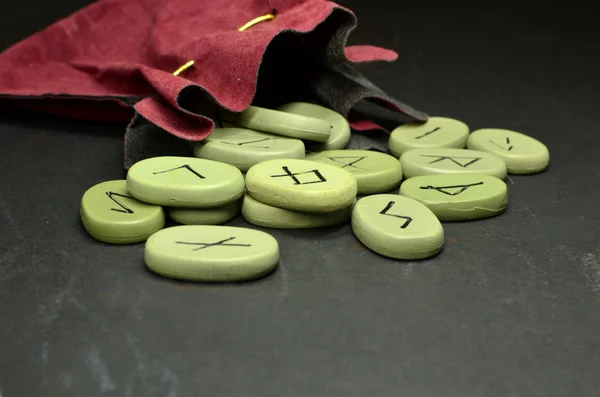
(169, 67)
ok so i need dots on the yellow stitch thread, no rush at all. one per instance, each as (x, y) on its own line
(183, 68)
(256, 21)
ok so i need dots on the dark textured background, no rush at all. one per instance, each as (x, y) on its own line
(510, 308)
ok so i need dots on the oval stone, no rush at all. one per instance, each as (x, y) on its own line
(301, 185)
(340, 129)
(436, 132)
(521, 153)
(458, 197)
(397, 227)
(110, 214)
(416, 162)
(265, 215)
(185, 182)
(205, 216)
(375, 172)
(211, 253)
(281, 123)
(244, 148)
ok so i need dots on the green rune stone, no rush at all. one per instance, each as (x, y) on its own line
(244, 148)
(205, 216)
(281, 123)
(265, 215)
(185, 182)
(340, 129)
(521, 153)
(397, 227)
(301, 185)
(416, 162)
(211, 253)
(436, 132)
(110, 214)
(458, 197)
(375, 172)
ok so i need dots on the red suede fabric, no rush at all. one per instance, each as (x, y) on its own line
(368, 53)
(124, 51)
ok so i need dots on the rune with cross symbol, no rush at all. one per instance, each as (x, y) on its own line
(222, 243)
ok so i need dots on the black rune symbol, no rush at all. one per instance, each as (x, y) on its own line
(447, 189)
(124, 209)
(503, 145)
(407, 219)
(251, 143)
(344, 160)
(458, 160)
(184, 166)
(297, 181)
(428, 133)
(218, 243)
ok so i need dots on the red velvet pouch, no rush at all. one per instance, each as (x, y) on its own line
(115, 60)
